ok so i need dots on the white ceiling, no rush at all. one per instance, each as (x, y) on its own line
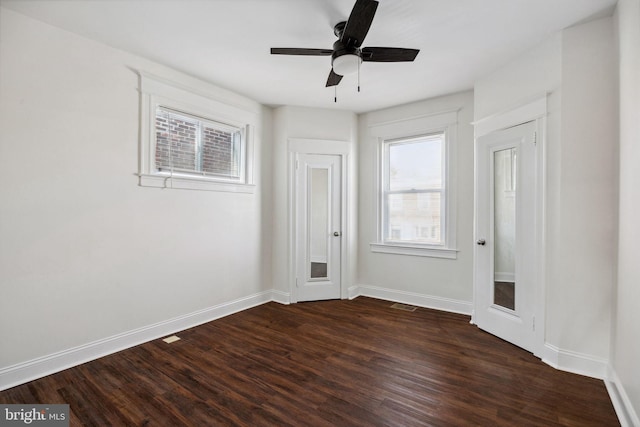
(226, 42)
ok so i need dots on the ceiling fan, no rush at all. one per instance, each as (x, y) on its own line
(347, 54)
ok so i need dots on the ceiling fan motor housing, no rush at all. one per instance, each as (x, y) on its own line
(340, 49)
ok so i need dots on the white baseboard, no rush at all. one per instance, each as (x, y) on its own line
(560, 359)
(627, 415)
(21, 373)
(577, 363)
(281, 297)
(420, 300)
(353, 292)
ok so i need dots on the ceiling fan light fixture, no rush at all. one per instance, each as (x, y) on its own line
(346, 64)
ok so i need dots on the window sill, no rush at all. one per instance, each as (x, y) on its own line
(193, 183)
(414, 250)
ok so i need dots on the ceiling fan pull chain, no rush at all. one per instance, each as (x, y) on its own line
(335, 94)
(359, 60)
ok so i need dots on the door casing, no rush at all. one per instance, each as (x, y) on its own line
(297, 146)
(318, 230)
(535, 110)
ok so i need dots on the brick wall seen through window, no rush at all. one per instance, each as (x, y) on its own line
(186, 144)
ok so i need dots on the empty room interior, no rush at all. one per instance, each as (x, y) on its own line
(342, 212)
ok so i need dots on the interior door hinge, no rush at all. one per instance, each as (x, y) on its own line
(533, 324)
(535, 138)
(297, 164)
(296, 282)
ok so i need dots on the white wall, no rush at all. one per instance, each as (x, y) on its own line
(85, 253)
(423, 278)
(626, 317)
(583, 270)
(577, 69)
(532, 74)
(319, 124)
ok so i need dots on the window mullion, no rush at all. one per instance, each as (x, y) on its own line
(198, 147)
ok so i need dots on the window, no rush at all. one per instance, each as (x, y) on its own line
(186, 144)
(413, 190)
(416, 194)
(191, 140)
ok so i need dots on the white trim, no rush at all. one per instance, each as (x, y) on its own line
(574, 362)
(318, 146)
(353, 292)
(540, 307)
(158, 92)
(21, 373)
(415, 125)
(627, 415)
(280, 297)
(340, 148)
(427, 251)
(163, 180)
(518, 114)
(533, 109)
(151, 83)
(386, 132)
(500, 276)
(412, 298)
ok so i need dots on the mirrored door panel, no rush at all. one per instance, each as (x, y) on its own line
(318, 222)
(504, 200)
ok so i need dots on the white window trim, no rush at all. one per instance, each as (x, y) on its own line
(445, 122)
(157, 92)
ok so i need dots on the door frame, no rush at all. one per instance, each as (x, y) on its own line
(534, 110)
(516, 325)
(297, 146)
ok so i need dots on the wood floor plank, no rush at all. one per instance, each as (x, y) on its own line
(331, 363)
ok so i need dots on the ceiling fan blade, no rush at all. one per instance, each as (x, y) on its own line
(359, 22)
(333, 79)
(300, 51)
(389, 54)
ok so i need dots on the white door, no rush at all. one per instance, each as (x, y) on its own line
(506, 230)
(318, 231)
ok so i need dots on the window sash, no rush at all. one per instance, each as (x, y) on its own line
(387, 231)
(235, 156)
(387, 234)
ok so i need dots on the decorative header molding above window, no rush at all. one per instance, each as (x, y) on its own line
(416, 125)
(516, 115)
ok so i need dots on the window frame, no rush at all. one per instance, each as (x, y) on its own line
(202, 121)
(386, 190)
(157, 93)
(387, 133)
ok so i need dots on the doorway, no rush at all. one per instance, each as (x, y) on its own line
(318, 215)
(507, 226)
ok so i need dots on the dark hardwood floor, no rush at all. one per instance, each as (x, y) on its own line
(332, 363)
